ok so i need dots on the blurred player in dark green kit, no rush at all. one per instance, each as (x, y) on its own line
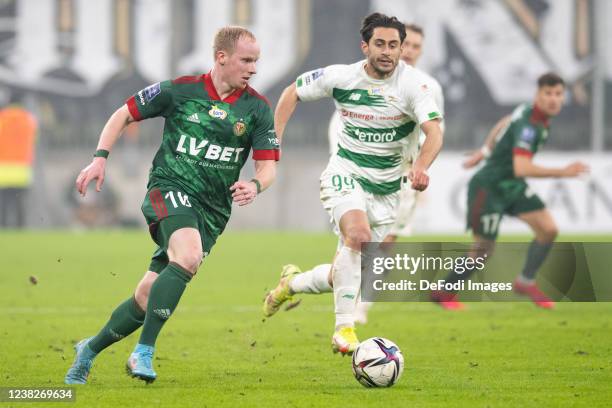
(499, 188)
(212, 121)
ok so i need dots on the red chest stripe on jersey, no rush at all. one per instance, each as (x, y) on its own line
(212, 92)
(131, 104)
(271, 154)
(521, 152)
(158, 204)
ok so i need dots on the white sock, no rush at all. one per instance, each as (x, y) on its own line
(346, 279)
(312, 281)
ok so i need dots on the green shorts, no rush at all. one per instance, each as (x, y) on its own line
(167, 209)
(488, 203)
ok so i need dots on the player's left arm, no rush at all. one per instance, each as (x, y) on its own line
(244, 192)
(266, 152)
(429, 151)
(428, 114)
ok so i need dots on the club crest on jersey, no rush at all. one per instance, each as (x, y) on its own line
(217, 113)
(239, 128)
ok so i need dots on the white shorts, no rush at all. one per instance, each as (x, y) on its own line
(405, 211)
(341, 193)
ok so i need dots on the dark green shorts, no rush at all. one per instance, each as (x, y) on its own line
(169, 209)
(488, 203)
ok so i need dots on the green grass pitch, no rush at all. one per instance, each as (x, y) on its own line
(216, 350)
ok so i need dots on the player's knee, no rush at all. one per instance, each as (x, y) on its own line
(190, 261)
(141, 297)
(356, 236)
(141, 294)
(549, 233)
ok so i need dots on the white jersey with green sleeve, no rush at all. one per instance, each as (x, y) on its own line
(335, 123)
(380, 119)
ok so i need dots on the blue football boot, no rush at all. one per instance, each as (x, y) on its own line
(140, 363)
(79, 371)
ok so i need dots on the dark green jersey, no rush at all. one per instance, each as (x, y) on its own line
(527, 132)
(206, 140)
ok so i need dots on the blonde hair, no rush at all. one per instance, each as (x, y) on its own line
(227, 37)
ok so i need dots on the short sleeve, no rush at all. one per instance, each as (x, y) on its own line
(264, 141)
(424, 105)
(314, 85)
(155, 100)
(525, 139)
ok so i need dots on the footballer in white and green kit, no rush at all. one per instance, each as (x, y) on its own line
(379, 132)
(382, 105)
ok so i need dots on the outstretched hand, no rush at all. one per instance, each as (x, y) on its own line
(243, 192)
(575, 169)
(95, 171)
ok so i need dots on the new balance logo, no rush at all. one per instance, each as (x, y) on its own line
(193, 118)
(163, 313)
(347, 296)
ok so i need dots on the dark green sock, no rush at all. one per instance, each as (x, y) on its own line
(126, 319)
(163, 299)
(536, 255)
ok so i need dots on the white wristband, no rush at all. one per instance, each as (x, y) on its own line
(486, 152)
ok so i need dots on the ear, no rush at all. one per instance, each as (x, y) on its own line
(221, 57)
(364, 48)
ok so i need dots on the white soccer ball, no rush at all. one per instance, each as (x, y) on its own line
(378, 362)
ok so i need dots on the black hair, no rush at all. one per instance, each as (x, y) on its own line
(380, 20)
(550, 79)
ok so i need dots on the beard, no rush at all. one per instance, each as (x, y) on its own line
(382, 71)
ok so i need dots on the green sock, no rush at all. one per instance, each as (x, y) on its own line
(163, 299)
(536, 255)
(126, 319)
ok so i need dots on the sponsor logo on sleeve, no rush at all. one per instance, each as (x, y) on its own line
(150, 92)
(528, 135)
(317, 74)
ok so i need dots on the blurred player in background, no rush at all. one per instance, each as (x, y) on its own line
(211, 123)
(499, 188)
(382, 103)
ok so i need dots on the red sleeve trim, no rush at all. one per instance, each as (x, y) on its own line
(131, 104)
(272, 154)
(517, 151)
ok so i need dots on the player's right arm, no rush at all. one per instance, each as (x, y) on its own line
(309, 86)
(485, 151)
(111, 132)
(155, 100)
(284, 109)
